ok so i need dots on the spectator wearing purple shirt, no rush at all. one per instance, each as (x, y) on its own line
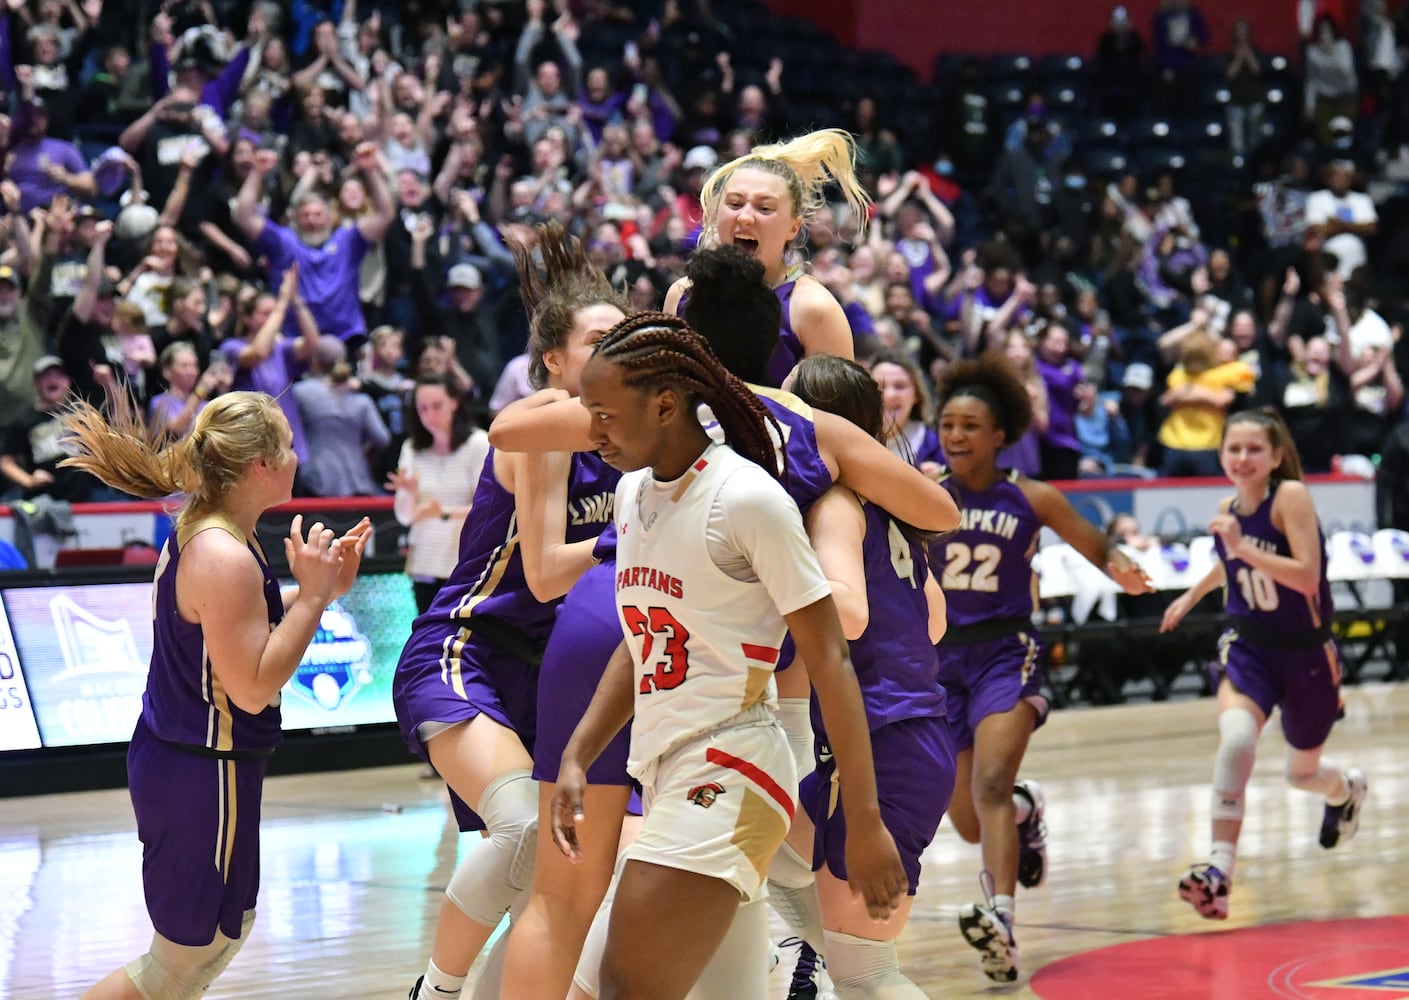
(42, 166)
(1061, 448)
(1179, 31)
(328, 258)
(265, 361)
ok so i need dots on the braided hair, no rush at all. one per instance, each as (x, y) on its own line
(658, 350)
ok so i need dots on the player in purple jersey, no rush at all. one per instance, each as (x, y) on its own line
(1277, 651)
(989, 657)
(465, 689)
(893, 613)
(220, 655)
(737, 311)
(741, 572)
(759, 203)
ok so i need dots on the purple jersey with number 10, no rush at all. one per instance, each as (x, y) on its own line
(986, 564)
(1255, 596)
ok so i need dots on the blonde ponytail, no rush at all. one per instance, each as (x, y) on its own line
(807, 164)
(230, 434)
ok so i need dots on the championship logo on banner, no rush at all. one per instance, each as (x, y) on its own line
(337, 664)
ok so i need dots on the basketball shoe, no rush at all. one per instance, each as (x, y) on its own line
(1032, 837)
(1206, 889)
(991, 931)
(1339, 823)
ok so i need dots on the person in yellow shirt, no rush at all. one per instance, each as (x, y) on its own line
(1198, 395)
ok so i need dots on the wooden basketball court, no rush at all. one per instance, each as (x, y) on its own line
(354, 864)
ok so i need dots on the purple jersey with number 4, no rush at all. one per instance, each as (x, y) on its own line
(895, 662)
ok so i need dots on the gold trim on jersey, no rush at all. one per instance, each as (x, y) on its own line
(227, 817)
(783, 398)
(493, 574)
(188, 531)
(756, 686)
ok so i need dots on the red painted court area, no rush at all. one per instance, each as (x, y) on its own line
(1326, 960)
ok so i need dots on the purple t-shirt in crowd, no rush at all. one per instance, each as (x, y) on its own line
(327, 276)
(1061, 381)
(27, 169)
(274, 375)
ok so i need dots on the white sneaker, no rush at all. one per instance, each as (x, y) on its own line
(991, 932)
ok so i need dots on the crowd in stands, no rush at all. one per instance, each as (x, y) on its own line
(214, 194)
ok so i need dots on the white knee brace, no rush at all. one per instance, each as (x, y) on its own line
(1232, 766)
(867, 970)
(792, 892)
(171, 971)
(496, 870)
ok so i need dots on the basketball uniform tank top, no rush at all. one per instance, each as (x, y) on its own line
(184, 702)
(1254, 597)
(987, 562)
(894, 660)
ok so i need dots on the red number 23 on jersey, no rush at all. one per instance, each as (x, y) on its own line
(672, 659)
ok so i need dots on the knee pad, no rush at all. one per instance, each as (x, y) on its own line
(171, 971)
(1232, 766)
(792, 893)
(861, 969)
(795, 716)
(499, 868)
(790, 869)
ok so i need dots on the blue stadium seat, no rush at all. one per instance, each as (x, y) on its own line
(1207, 132)
(1056, 67)
(1005, 98)
(1151, 132)
(1066, 96)
(1100, 131)
(945, 68)
(1153, 159)
(1104, 161)
(1015, 67)
(1213, 94)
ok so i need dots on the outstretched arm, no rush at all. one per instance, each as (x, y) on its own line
(864, 465)
(1054, 511)
(551, 564)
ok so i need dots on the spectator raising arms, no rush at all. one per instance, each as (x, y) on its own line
(328, 256)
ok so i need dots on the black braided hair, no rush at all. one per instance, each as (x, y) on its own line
(657, 350)
(994, 381)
